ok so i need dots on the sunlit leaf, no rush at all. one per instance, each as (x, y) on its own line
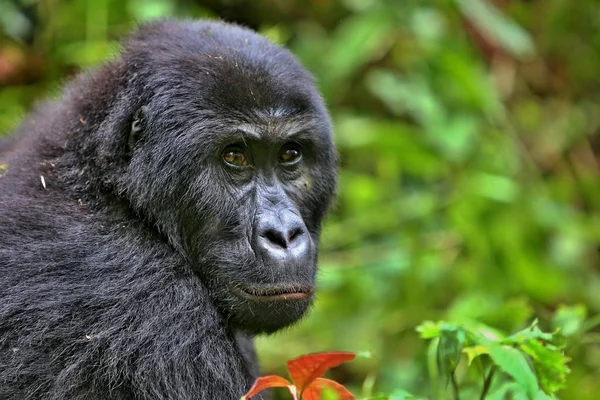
(569, 319)
(87, 53)
(474, 351)
(492, 23)
(530, 333)
(357, 40)
(496, 187)
(550, 364)
(151, 9)
(400, 394)
(429, 330)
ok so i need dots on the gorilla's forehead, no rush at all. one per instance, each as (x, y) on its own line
(223, 67)
(238, 83)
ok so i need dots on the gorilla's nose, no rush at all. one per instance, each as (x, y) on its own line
(283, 238)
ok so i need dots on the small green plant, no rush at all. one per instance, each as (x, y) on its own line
(529, 364)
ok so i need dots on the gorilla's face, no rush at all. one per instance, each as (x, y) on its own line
(236, 167)
(255, 243)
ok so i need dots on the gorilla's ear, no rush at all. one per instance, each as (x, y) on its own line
(137, 127)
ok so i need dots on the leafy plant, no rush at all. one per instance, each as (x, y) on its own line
(532, 359)
(306, 372)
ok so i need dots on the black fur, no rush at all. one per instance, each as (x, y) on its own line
(122, 232)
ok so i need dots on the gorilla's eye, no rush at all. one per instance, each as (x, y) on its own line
(235, 157)
(290, 153)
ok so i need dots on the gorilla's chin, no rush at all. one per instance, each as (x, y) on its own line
(267, 310)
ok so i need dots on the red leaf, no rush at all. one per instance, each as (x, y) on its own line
(266, 382)
(305, 369)
(313, 392)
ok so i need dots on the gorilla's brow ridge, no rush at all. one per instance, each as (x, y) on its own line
(248, 131)
(284, 130)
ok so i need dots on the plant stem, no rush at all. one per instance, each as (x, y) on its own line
(487, 384)
(454, 386)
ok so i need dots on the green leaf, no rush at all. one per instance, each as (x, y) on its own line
(531, 333)
(87, 53)
(503, 31)
(514, 363)
(550, 364)
(429, 329)
(480, 333)
(151, 9)
(400, 394)
(407, 96)
(473, 352)
(452, 340)
(569, 319)
(496, 187)
(357, 40)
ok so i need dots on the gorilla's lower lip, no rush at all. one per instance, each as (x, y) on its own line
(273, 293)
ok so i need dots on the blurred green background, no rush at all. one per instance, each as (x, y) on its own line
(469, 132)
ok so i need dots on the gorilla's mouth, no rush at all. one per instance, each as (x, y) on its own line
(273, 293)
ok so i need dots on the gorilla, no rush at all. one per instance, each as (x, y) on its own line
(162, 212)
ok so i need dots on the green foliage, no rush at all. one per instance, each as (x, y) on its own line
(534, 360)
(469, 137)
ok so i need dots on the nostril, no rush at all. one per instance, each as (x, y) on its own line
(294, 234)
(276, 238)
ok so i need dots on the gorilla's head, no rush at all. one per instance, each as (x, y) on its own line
(230, 157)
